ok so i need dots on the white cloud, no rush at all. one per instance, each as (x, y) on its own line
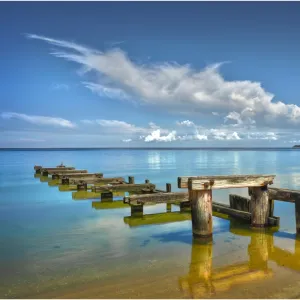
(120, 126)
(39, 120)
(127, 140)
(179, 87)
(187, 123)
(102, 90)
(215, 113)
(220, 135)
(156, 136)
(263, 136)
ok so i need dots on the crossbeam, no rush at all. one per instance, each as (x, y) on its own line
(59, 175)
(64, 171)
(284, 194)
(224, 182)
(97, 180)
(123, 187)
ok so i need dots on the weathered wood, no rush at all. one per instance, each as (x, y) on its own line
(58, 169)
(225, 182)
(79, 176)
(123, 187)
(168, 187)
(147, 181)
(97, 180)
(82, 186)
(65, 172)
(158, 198)
(65, 180)
(297, 215)
(286, 195)
(259, 206)
(106, 197)
(201, 206)
(136, 210)
(130, 179)
(37, 167)
(239, 202)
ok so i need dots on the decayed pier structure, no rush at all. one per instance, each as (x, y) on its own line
(197, 200)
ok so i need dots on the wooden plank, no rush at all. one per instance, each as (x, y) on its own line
(158, 198)
(97, 181)
(54, 168)
(64, 171)
(240, 203)
(286, 195)
(221, 182)
(123, 187)
(80, 176)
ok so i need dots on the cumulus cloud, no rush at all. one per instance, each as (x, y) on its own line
(178, 87)
(156, 136)
(263, 136)
(187, 123)
(39, 120)
(220, 135)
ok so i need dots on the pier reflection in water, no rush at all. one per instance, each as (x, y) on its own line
(205, 281)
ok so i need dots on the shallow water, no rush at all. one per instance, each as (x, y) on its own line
(54, 245)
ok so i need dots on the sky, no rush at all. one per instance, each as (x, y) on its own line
(149, 74)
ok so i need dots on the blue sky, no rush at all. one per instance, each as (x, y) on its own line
(146, 74)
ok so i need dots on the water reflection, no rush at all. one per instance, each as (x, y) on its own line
(161, 160)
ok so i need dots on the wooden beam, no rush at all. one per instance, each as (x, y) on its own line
(54, 169)
(223, 182)
(97, 180)
(64, 171)
(240, 203)
(123, 187)
(184, 197)
(80, 176)
(158, 198)
(284, 194)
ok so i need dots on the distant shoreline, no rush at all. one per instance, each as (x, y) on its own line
(149, 148)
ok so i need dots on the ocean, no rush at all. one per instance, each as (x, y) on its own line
(54, 246)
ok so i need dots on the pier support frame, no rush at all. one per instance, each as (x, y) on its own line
(82, 186)
(65, 180)
(137, 210)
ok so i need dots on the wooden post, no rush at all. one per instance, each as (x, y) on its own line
(136, 210)
(201, 204)
(130, 179)
(65, 180)
(297, 214)
(107, 197)
(147, 181)
(259, 206)
(168, 187)
(55, 176)
(45, 173)
(168, 190)
(82, 186)
(37, 169)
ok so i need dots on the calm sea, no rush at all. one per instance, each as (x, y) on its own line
(53, 246)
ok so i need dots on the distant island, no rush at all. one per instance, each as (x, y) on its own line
(296, 146)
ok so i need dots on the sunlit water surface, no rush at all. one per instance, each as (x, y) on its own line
(53, 246)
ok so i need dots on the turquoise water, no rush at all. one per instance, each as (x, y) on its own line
(54, 246)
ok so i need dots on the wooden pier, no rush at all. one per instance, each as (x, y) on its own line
(197, 201)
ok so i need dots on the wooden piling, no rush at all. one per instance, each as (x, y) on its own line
(168, 187)
(137, 210)
(107, 197)
(147, 181)
(259, 206)
(45, 172)
(130, 179)
(201, 205)
(55, 176)
(65, 180)
(82, 186)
